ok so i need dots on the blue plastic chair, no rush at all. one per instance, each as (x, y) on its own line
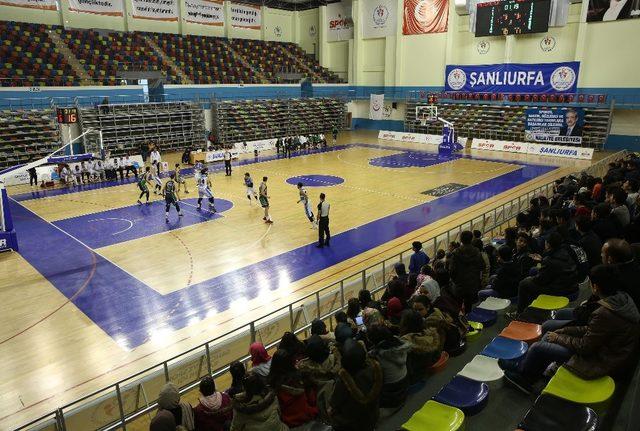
(505, 348)
(480, 315)
(465, 394)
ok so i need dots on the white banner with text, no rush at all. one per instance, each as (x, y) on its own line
(534, 149)
(207, 12)
(156, 10)
(97, 7)
(31, 4)
(339, 22)
(246, 16)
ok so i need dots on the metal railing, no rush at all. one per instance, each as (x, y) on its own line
(127, 399)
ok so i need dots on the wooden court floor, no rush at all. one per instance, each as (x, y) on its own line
(103, 288)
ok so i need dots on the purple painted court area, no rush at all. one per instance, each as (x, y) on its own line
(315, 180)
(132, 312)
(137, 221)
(408, 159)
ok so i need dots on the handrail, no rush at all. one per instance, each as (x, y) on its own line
(497, 215)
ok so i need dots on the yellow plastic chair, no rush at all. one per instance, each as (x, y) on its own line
(549, 302)
(434, 416)
(570, 387)
(475, 332)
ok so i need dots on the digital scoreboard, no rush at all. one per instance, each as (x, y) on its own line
(67, 115)
(501, 18)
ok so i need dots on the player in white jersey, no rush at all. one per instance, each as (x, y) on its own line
(204, 190)
(157, 189)
(304, 198)
(248, 182)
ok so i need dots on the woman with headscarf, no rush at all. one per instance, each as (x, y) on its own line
(321, 367)
(355, 398)
(256, 409)
(260, 360)
(296, 395)
(169, 399)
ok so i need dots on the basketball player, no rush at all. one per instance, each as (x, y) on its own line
(143, 185)
(264, 200)
(171, 196)
(204, 190)
(304, 198)
(180, 180)
(157, 190)
(248, 182)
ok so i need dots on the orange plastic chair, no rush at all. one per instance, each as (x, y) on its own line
(522, 331)
(440, 364)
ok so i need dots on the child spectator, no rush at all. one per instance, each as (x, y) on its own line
(213, 412)
(169, 399)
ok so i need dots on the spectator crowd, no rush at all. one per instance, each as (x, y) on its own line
(587, 233)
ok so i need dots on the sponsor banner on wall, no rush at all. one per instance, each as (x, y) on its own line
(606, 10)
(513, 78)
(251, 146)
(157, 10)
(417, 138)
(339, 22)
(97, 7)
(207, 12)
(31, 4)
(560, 151)
(492, 145)
(534, 149)
(425, 16)
(379, 18)
(554, 125)
(376, 106)
(246, 16)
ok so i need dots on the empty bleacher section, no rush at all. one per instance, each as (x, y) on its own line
(26, 135)
(103, 54)
(125, 127)
(501, 122)
(248, 120)
(28, 57)
(205, 60)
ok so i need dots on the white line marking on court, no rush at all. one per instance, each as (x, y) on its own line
(114, 218)
(83, 244)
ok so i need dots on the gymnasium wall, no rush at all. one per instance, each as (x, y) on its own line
(419, 60)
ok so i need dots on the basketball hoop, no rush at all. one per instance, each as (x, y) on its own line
(426, 114)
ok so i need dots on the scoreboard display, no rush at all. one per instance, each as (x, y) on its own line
(67, 115)
(501, 18)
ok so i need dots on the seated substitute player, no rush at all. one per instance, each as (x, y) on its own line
(264, 200)
(171, 196)
(204, 190)
(304, 198)
(180, 180)
(248, 182)
(143, 184)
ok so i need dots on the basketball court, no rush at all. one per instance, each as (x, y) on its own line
(103, 287)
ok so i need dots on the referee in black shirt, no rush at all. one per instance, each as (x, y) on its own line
(323, 222)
